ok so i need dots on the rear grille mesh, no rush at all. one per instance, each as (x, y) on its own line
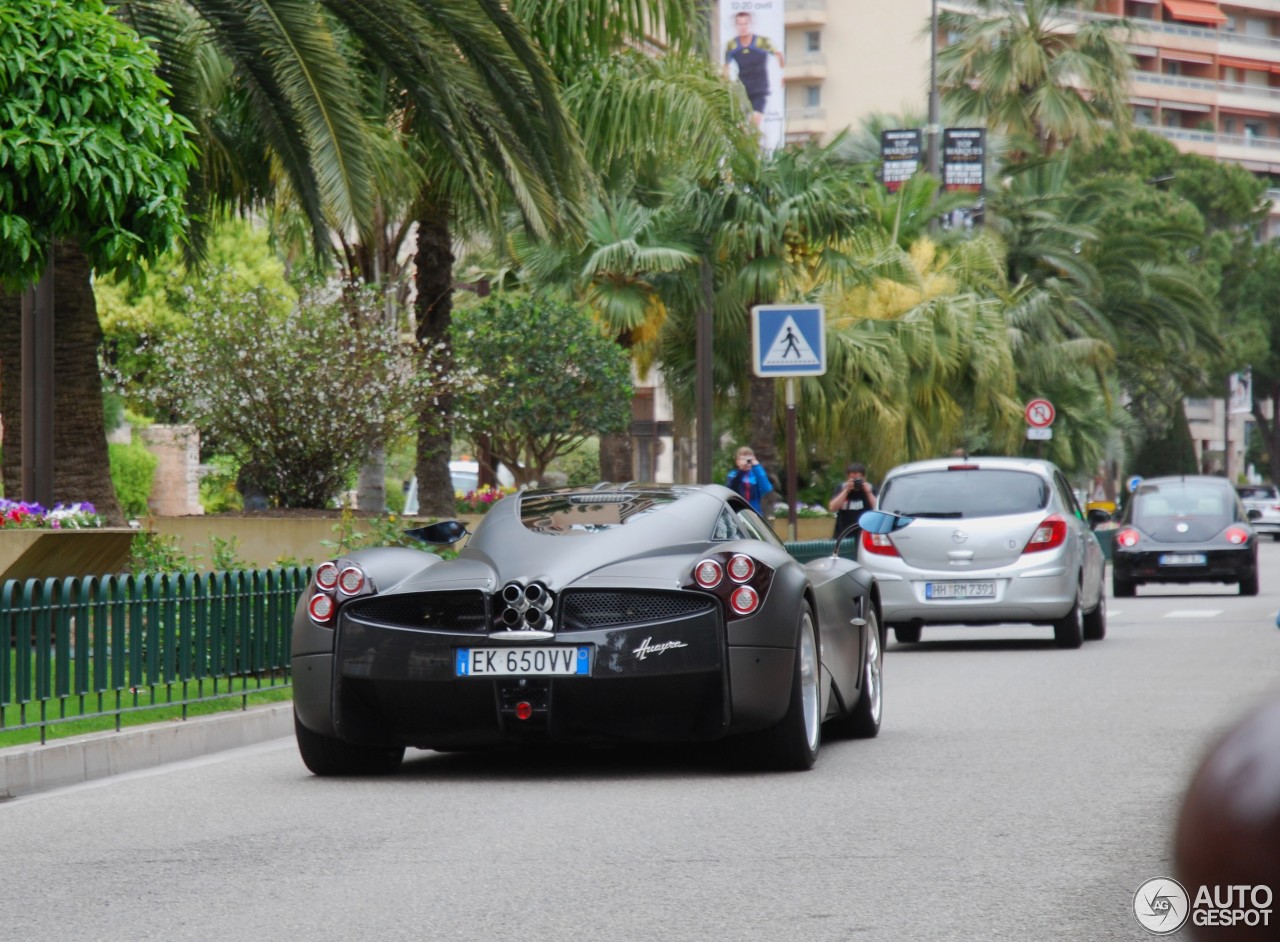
(438, 611)
(584, 609)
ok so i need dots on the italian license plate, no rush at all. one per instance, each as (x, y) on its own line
(959, 590)
(1183, 559)
(523, 662)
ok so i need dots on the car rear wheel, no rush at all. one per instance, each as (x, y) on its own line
(863, 721)
(1122, 588)
(1068, 631)
(1095, 622)
(1249, 585)
(325, 755)
(907, 633)
(793, 744)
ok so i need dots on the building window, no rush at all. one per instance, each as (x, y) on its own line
(1171, 119)
(1173, 68)
(1144, 117)
(813, 96)
(813, 40)
(1228, 125)
(1253, 129)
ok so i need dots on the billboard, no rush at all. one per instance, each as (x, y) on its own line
(964, 156)
(753, 37)
(900, 157)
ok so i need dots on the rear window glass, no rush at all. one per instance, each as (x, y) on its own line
(982, 492)
(1154, 502)
(578, 513)
(1257, 492)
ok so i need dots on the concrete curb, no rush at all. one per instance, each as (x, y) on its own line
(62, 762)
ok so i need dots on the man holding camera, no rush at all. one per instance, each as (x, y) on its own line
(749, 479)
(851, 498)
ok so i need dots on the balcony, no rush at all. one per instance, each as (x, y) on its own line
(811, 122)
(812, 66)
(806, 13)
(1259, 154)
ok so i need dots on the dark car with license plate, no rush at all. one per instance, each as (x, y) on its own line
(1181, 530)
(615, 613)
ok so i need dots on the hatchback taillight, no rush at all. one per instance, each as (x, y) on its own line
(1127, 537)
(1051, 533)
(1237, 536)
(878, 544)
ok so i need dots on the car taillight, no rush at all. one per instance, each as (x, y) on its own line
(1237, 536)
(321, 607)
(879, 544)
(744, 600)
(708, 573)
(741, 568)
(1127, 537)
(327, 576)
(1051, 533)
(351, 580)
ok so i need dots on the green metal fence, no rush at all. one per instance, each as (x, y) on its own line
(111, 645)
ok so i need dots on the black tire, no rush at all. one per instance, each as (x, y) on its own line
(907, 633)
(1122, 588)
(1095, 622)
(1068, 631)
(863, 721)
(324, 755)
(793, 744)
(1249, 585)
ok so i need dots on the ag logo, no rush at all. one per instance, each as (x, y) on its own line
(1161, 905)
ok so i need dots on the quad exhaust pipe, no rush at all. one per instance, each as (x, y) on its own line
(525, 607)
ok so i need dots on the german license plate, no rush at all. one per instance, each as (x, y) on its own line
(959, 590)
(1183, 559)
(523, 662)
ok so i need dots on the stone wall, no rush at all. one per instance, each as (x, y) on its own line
(176, 489)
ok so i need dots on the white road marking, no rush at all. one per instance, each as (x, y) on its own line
(1194, 613)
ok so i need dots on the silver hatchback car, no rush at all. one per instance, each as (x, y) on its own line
(995, 540)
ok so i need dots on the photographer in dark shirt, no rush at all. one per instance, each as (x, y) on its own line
(851, 498)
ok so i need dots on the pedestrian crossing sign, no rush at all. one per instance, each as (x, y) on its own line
(788, 340)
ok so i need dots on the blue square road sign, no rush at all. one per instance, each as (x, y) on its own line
(788, 340)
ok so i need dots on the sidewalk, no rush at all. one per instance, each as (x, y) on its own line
(63, 762)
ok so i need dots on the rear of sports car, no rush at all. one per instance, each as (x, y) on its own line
(666, 645)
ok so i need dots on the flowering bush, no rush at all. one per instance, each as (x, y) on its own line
(481, 499)
(29, 516)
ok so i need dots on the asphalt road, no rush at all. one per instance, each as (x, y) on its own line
(1016, 792)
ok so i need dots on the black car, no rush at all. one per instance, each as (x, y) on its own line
(614, 613)
(1182, 530)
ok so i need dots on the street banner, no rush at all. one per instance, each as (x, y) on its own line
(753, 37)
(900, 156)
(964, 155)
(1241, 385)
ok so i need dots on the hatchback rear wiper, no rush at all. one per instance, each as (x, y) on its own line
(939, 514)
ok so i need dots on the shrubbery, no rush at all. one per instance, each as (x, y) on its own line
(133, 471)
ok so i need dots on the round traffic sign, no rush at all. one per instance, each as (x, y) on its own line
(1040, 413)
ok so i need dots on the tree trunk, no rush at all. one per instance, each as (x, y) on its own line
(1269, 428)
(434, 309)
(763, 403)
(82, 468)
(11, 391)
(371, 483)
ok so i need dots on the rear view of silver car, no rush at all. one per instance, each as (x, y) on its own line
(1265, 499)
(995, 541)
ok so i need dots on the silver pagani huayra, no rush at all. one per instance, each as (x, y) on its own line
(618, 613)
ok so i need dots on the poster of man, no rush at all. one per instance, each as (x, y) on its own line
(752, 37)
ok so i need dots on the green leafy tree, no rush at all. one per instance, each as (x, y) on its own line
(294, 393)
(552, 379)
(93, 167)
(1036, 71)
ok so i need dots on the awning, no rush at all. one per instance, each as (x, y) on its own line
(1195, 11)
(1197, 57)
(1253, 64)
(1185, 106)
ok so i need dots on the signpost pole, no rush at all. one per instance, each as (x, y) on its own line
(791, 459)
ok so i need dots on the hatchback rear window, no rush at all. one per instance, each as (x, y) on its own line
(1155, 502)
(977, 492)
(1257, 492)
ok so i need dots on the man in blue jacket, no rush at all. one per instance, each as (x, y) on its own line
(749, 479)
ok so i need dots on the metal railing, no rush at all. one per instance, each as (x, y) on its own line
(89, 647)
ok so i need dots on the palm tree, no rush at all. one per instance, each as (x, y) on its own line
(1037, 71)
